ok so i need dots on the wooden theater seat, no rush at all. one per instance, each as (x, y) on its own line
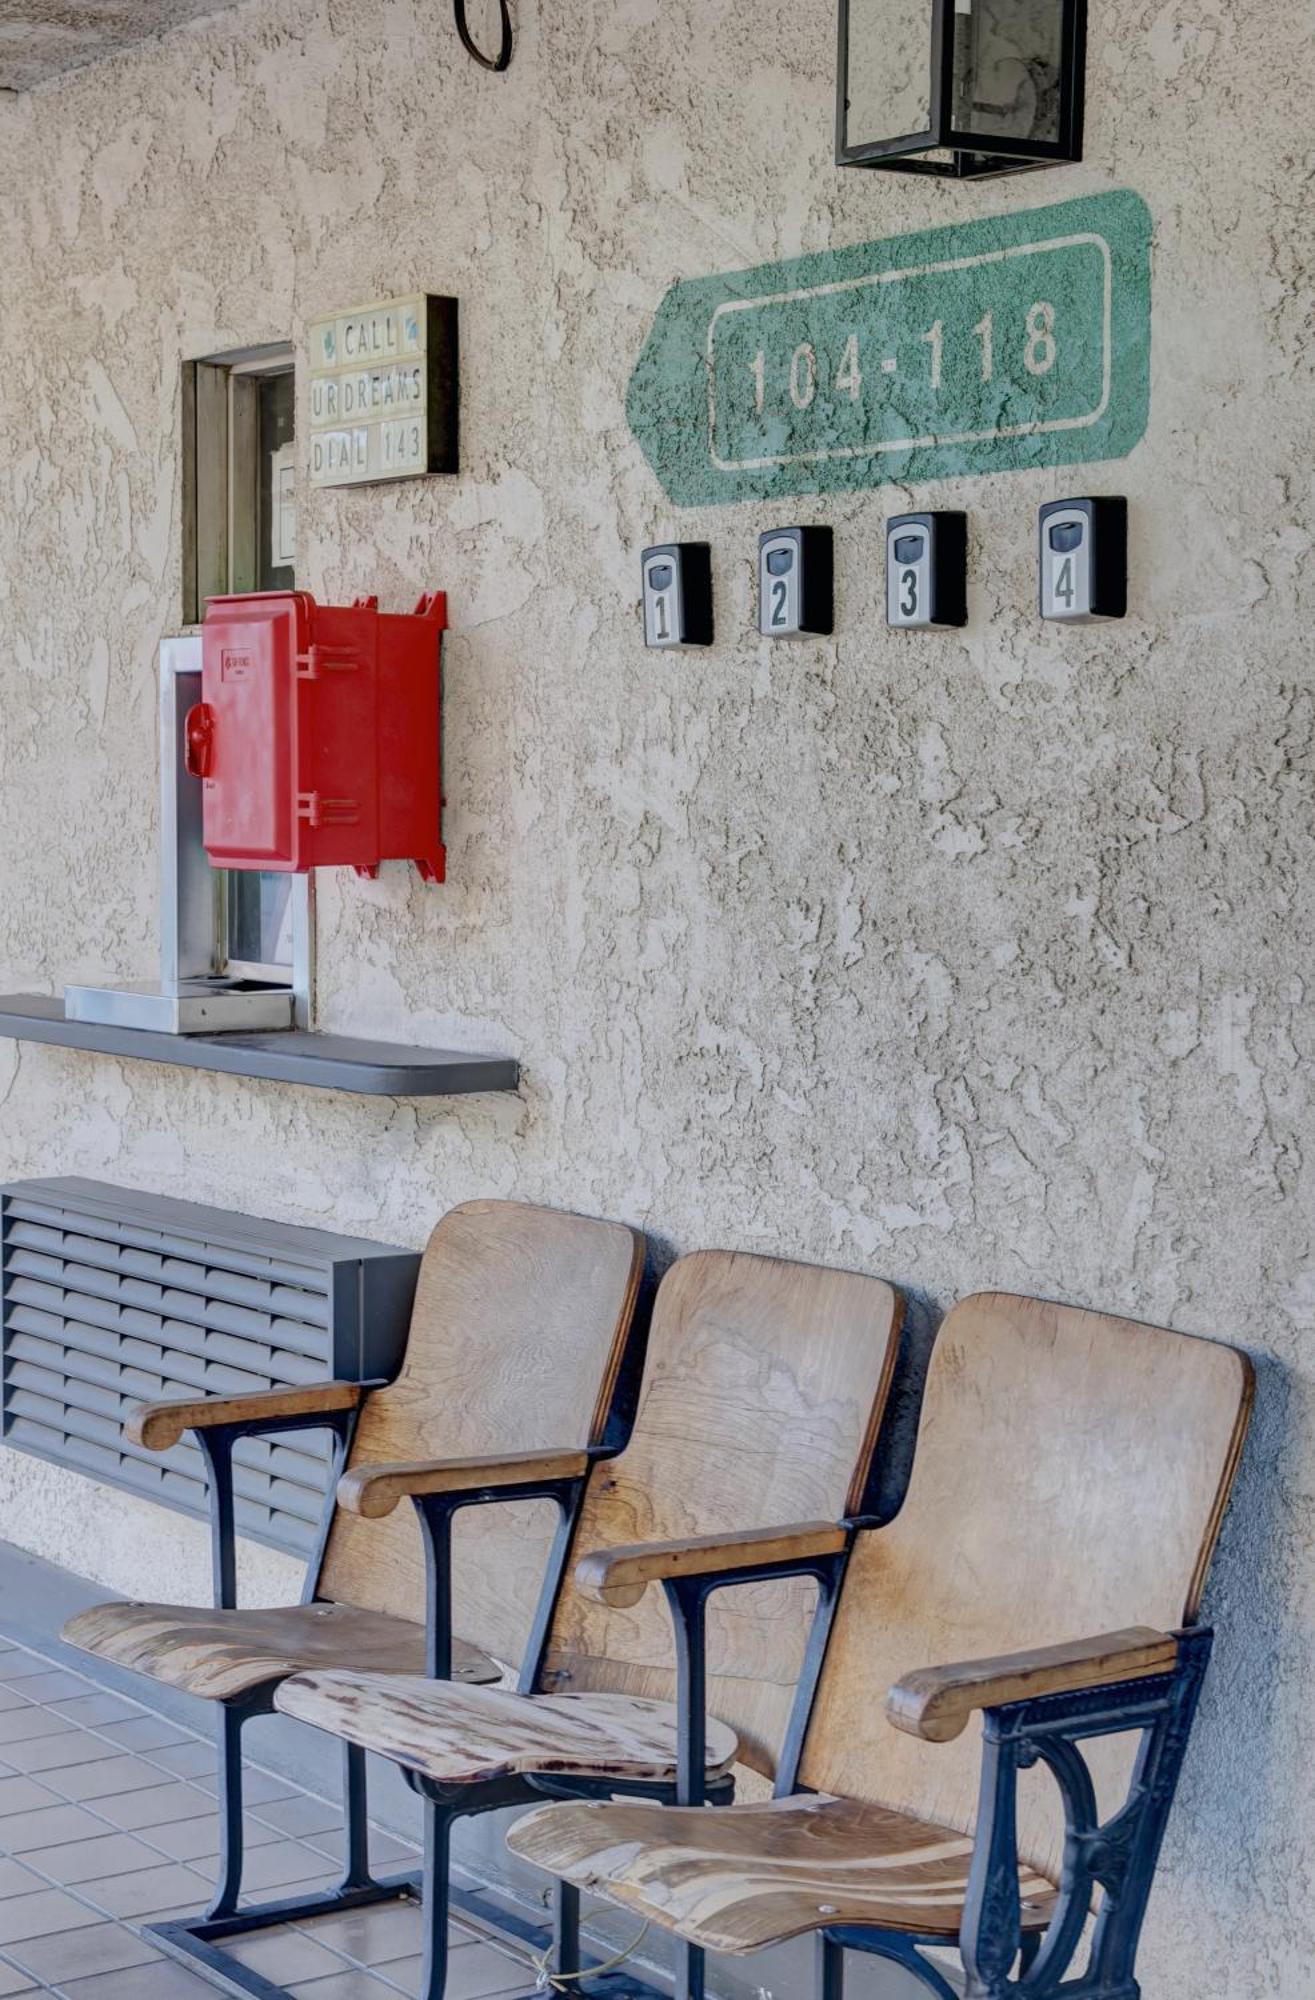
(222, 1655)
(764, 1388)
(1071, 1475)
(516, 1342)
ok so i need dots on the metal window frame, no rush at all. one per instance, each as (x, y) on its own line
(193, 894)
(975, 155)
(221, 488)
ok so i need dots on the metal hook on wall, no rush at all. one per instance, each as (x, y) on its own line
(503, 58)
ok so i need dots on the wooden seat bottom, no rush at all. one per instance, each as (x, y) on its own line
(224, 1655)
(738, 1878)
(466, 1735)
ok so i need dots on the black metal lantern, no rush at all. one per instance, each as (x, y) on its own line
(962, 88)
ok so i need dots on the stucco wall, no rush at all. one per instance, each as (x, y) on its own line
(970, 960)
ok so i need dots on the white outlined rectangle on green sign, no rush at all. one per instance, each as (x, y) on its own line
(1022, 340)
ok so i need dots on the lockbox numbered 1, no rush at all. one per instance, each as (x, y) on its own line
(1084, 559)
(677, 587)
(927, 570)
(796, 583)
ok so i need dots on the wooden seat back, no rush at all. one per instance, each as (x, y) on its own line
(1070, 1479)
(764, 1387)
(517, 1337)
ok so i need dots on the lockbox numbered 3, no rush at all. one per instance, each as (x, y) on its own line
(927, 570)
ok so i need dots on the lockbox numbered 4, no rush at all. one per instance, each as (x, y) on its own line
(1084, 559)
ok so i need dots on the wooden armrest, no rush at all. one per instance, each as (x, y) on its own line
(936, 1702)
(374, 1490)
(621, 1576)
(157, 1426)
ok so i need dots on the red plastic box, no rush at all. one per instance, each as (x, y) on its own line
(316, 738)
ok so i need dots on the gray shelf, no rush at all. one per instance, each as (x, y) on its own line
(324, 1062)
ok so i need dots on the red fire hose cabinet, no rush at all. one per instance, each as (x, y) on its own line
(316, 739)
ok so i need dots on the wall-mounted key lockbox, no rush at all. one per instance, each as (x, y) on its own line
(677, 585)
(316, 738)
(927, 570)
(795, 583)
(1084, 558)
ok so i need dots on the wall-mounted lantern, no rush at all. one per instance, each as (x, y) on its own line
(960, 88)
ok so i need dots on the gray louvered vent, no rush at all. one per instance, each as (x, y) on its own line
(112, 1297)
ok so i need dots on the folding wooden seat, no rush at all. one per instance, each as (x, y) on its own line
(520, 1357)
(1071, 1477)
(763, 1390)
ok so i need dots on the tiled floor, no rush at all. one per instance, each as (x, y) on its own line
(107, 1823)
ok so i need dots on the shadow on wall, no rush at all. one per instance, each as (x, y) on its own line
(1239, 1762)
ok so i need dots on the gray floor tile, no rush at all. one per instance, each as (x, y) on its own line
(385, 1852)
(91, 1709)
(77, 1954)
(157, 1807)
(345, 1986)
(474, 1971)
(15, 1880)
(145, 1732)
(187, 1760)
(198, 1839)
(47, 1828)
(302, 1815)
(107, 1778)
(13, 1982)
(20, 1795)
(285, 1861)
(37, 1915)
(163, 1981)
(54, 1685)
(147, 1891)
(10, 1698)
(258, 1787)
(58, 1752)
(26, 1723)
(371, 1936)
(20, 1665)
(285, 1956)
(89, 1860)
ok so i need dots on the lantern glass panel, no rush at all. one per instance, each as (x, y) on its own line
(1008, 57)
(888, 74)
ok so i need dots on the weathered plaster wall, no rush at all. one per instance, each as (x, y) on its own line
(969, 960)
(42, 38)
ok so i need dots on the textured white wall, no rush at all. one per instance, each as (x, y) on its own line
(970, 960)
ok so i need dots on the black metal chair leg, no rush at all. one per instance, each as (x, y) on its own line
(356, 1854)
(229, 1745)
(691, 1966)
(438, 1842)
(830, 1968)
(566, 1927)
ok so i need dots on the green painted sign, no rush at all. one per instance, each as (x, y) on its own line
(1022, 340)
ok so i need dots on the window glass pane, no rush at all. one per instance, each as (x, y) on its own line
(1006, 68)
(259, 917)
(277, 524)
(888, 82)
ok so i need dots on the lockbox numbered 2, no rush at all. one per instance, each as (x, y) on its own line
(927, 570)
(796, 587)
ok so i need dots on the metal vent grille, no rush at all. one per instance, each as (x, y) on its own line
(111, 1297)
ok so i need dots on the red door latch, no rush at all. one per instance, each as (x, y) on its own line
(199, 740)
